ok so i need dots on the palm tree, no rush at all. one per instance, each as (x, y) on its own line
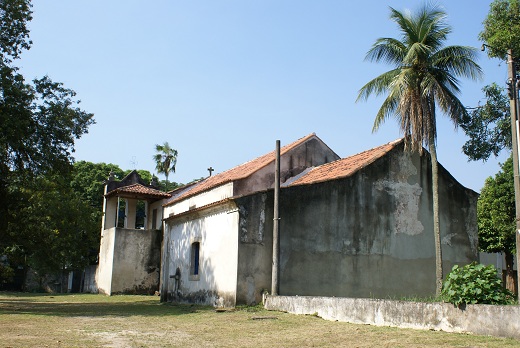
(165, 159)
(424, 79)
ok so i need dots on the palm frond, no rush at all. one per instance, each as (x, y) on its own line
(387, 109)
(425, 77)
(387, 50)
(459, 61)
(378, 85)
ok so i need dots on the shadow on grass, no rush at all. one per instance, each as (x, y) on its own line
(92, 306)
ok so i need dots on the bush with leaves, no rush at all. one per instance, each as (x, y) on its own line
(475, 283)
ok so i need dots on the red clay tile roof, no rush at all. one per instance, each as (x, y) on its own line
(240, 172)
(138, 190)
(344, 167)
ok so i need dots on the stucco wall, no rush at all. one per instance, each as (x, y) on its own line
(255, 247)
(149, 215)
(106, 261)
(478, 319)
(313, 152)
(371, 234)
(368, 235)
(216, 231)
(136, 264)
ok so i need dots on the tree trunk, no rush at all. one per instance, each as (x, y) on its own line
(436, 219)
(510, 273)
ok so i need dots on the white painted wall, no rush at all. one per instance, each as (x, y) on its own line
(217, 234)
(106, 261)
(217, 194)
(149, 215)
(130, 212)
(110, 207)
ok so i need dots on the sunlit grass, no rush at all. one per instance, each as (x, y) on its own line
(42, 320)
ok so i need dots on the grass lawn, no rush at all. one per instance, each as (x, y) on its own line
(43, 320)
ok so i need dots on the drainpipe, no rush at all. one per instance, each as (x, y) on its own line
(276, 219)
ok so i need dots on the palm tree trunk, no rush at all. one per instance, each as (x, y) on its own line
(436, 219)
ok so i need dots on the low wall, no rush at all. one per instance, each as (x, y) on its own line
(491, 320)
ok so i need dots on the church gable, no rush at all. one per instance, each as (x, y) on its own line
(258, 174)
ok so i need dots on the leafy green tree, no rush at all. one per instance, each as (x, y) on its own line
(168, 186)
(39, 123)
(89, 178)
(496, 218)
(502, 28)
(52, 228)
(423, 80)
(14, 34)
(488, 126)
(165, 159)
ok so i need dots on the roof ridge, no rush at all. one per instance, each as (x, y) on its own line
(326, 169)
(139, 189)
(393, 142)
(240, 171)
(283, 150)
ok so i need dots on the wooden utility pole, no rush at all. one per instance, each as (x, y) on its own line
(513, 102)
(276, 219)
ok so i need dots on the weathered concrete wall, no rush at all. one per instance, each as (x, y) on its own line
(216, 230)
(367, 235)
(371, 234)
(255, 248)
(106, 261)
(313, 152)
(89, 280)
(478, 319)
(136, 261)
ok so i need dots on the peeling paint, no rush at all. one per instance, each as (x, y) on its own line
(242, 211)
(262, 220)
(407, 205)
(446, 240)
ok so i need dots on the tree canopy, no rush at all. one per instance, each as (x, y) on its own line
(496, 211)
(502, 28)
(14, 34)
(496, 217)
(40, 121)
(488, 126)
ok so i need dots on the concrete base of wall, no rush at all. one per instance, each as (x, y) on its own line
(501, 321)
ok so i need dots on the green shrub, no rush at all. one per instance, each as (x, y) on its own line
(475, 283)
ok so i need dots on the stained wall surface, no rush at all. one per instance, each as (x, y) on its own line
(371, 234)
(255, 247)
(136, 261)
(366, 235)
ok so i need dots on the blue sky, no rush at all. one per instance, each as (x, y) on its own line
(222, 80)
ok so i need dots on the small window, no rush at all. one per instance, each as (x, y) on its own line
(154, 219)
(195, 259)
